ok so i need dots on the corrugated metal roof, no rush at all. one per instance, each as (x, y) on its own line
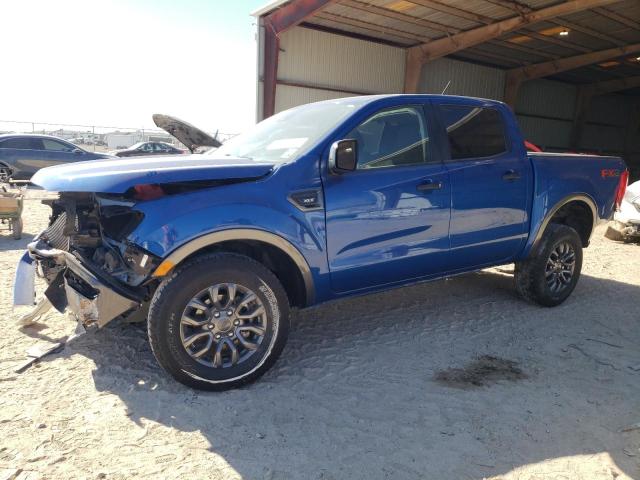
(406, 23)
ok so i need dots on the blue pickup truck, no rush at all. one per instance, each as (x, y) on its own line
(317, 203)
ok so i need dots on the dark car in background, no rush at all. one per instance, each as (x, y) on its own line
(149, 148)
(22, 155)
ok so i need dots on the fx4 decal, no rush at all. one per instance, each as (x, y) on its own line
(606, 172)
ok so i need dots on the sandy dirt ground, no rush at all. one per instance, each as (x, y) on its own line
(360, 392)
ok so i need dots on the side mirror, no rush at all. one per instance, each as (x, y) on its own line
(343, 156)
(77, 151)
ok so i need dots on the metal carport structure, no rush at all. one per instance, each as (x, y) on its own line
(570, 69)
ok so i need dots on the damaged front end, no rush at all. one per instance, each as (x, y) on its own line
(86, 261)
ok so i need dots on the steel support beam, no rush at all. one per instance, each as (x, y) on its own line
(454, 11)
(274, 24)
(412, 71)
(453, 43)
(583, 102)
(516, 76)
(617, 85)
(385, 12)
(618, 18)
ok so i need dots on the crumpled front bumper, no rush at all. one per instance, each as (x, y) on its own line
(91, 296)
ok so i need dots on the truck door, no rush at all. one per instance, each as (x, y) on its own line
(388, 221)
(490, 192)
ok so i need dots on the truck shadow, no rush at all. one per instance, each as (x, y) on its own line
(354, 395)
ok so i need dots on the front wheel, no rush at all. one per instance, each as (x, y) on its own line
(551, 273)
(218, 322)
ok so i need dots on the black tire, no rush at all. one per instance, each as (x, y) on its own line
(170, 302)
(533, 276)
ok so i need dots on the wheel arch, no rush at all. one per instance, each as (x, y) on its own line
(273, 251)
(576, 211)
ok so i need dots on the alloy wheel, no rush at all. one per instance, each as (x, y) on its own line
(560, 267)
(223, 325)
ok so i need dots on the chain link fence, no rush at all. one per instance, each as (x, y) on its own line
(97, 138)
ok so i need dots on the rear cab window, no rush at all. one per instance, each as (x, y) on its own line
(473, 132)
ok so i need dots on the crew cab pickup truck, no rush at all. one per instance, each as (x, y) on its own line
(317, 203)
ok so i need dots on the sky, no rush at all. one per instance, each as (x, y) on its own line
(116, 62)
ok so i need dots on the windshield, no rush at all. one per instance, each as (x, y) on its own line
(285, 136)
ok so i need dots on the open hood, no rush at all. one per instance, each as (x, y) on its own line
(118, 176)
(190, 136)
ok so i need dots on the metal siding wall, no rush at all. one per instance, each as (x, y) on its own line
(633, 130)
(547, 98)
(318, 58)
(606, 127)
(545, 133)
(545, 111)
(288, 97)
(466, 79)
(610, 109)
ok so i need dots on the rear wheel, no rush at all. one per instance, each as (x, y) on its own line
(220, 321)
(551, 273)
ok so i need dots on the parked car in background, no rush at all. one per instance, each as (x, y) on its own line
(317, 203)
(25, 154)
(626, 221)
(141, 149)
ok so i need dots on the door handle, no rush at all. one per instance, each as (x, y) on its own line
(429, 186)
(511, 175)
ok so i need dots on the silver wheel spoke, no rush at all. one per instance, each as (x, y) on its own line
(217, 357)
(250, 297)
(192, 322)
(214, 294)
(252, 328)
(247, 344)
(254, 313)
(198, 305)
(195, 337)
(204, 349)
(231, 291)
(234, 351)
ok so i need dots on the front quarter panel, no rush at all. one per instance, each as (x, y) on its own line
(173, 221)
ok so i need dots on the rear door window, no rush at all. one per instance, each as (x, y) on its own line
(159, 147)
(56, 146)
(22, 143)
(473, 132)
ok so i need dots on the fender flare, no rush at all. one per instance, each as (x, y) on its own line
(182, 252)
(568, 199)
